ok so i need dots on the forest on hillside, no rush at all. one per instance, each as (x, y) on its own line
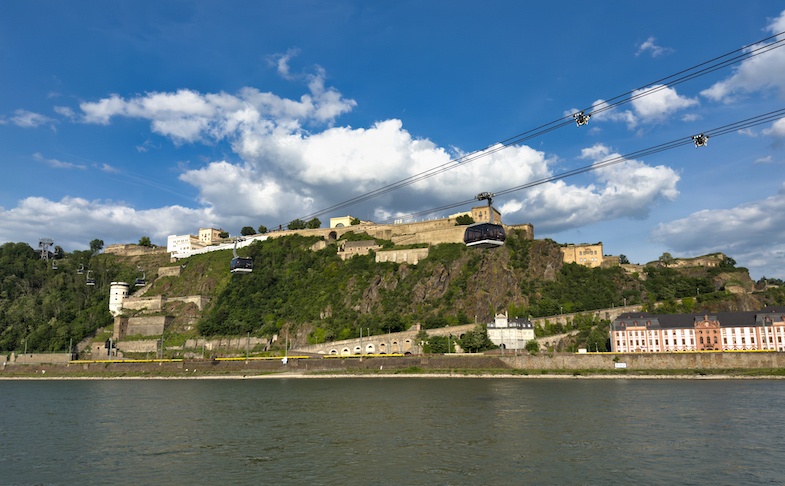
(320, 297)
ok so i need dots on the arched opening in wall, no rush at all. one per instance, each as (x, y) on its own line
(345, 352)
(407, 344)
(357, 350)
(370, 349)
(382, 348)
(332, 236)
(333, 352)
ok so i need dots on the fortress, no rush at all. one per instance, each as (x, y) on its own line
(430, 232)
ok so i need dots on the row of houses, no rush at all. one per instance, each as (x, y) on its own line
(640, 332)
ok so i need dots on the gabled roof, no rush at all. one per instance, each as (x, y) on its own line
(685, 321)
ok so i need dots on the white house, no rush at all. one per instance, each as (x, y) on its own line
(510, 333)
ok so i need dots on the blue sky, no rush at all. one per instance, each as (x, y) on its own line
(127, 119)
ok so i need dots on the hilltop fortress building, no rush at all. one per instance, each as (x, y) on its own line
(430, 232)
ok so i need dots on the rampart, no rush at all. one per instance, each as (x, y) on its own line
(412, 255)
(173, 271)
(152, 304)
(140, 326)
(133, 250)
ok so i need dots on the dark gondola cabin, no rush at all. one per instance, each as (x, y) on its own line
(241, 265)
(484, 235)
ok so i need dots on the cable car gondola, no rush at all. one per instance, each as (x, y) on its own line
(240, 264)
(140, 282)
(485, 235)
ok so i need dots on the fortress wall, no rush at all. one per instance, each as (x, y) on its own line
(133, 250)
(412, 256)
(147, 325)
(169, 271)
(199, 300)
(139, 303)
(144, 346)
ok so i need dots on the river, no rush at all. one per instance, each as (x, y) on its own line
(429, 431)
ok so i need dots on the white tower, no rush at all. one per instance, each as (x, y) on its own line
(117, 292)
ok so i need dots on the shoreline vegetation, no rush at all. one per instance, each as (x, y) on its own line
(413, 372)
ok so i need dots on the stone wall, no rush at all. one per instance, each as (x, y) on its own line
(133, 250)
(170, 271)
(40, 358)
(649, 361)
(140, 326)
(199, 300)
(152, 304)
(143, 346)
(412, 255)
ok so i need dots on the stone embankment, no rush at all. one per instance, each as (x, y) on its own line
(576, 363)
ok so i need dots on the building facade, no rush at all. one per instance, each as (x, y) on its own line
(510, 333)
(586, 255)
(722, 331)
(208, 236)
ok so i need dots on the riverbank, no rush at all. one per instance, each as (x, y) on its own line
(763, 374)
(598, 365)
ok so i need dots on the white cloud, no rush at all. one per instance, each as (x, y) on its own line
(777, 129)
(627, 189)
(654, 104)
(73, 222)
(57, 164)
(190, 116)
(649, 46)
(28, 119)
(649, 105)
(762, 72)
(752, 233)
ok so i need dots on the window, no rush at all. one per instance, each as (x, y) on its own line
(701, 339)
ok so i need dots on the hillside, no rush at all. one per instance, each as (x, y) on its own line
(316, 296)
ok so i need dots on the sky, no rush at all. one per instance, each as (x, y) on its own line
(140, 118)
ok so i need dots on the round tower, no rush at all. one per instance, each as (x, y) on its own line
(117, 292)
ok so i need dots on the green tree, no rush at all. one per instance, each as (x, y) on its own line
(533, 347)
(623, 260)
(262, 229)
(223, 234)
(247, 231)
(313, 223)
(666, 258)
(296, 224)
(145, 241)
(464, 219)
(476, 340)
(355, 221)
(596, 340)
(96, 245)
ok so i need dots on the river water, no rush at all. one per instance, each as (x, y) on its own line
(429, 431)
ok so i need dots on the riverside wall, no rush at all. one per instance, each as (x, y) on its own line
(561, 362)
(648, 361)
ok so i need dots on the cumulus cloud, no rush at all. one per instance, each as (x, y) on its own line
(72, 222)
(753, 233)
(649, 46)
(657, 102)
(627, 189)
(777, 129)
(759, 73)
(190, 116)
(649, 105)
